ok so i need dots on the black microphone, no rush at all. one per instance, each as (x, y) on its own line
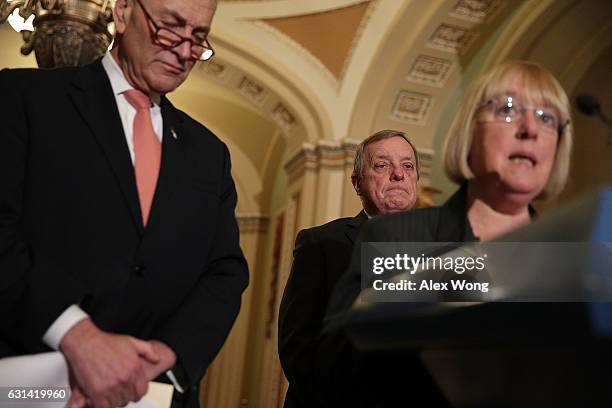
(589, 105)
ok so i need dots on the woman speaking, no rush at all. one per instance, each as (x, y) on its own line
(509, 145)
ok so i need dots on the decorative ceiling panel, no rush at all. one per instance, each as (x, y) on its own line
(452, 39)
(256, 92)
(430, 70)
(215, 69)
(412, 107)
(253, 91)
(283, 117)
(477, 11)
(328, 36)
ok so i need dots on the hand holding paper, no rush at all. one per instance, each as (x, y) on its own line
(108, 368)
(167, 359)
(49, 370)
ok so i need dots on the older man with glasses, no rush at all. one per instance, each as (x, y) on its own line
(118, 240)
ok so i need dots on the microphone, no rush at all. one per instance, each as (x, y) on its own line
(590, 106)
(587, 104)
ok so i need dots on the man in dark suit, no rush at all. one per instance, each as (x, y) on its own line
(385, 178)
(118, 240)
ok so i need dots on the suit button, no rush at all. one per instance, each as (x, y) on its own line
(138, 269)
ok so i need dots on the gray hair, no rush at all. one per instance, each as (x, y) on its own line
(381, 135)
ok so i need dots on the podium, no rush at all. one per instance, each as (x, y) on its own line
(505, 353)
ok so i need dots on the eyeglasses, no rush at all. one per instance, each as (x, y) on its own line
(509, 109)
(200, 50)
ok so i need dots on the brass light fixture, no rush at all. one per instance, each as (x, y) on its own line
(66, 32)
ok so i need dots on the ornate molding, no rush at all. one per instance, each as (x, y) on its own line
(452, 39)
(215, 69)
(285, 120)
(252, 223)
(325, 154)
(262, 97)
(412, 107)
(303, 160)
(477, 11)
(426, 157)
(432, 71)
(253, 91)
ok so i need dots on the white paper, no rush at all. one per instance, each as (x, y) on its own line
(51, 370)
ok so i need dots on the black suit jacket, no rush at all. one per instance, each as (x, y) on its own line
(448, 223)
(324, 369)
(321, 255)
(401, 378)
(71, 231)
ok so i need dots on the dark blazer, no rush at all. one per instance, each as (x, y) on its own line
(324, 369)
(321, 255)
(448, 223)
(71, 231)
(401, 377)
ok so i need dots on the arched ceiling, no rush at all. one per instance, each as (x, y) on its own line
(288, 72)
(416, 69)
(356, 66)
(407, 61)
(332, 43)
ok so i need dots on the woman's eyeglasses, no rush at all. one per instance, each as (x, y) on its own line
(508, 109)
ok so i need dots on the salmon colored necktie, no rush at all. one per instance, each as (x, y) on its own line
(147, 151)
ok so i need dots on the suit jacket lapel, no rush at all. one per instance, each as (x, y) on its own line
(93, 98)
(175, 142)
(354, 225)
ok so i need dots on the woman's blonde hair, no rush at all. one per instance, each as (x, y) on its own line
(538, 85)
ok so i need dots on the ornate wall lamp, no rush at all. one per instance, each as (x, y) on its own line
(64, 32)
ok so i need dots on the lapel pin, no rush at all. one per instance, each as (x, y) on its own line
(173, 133)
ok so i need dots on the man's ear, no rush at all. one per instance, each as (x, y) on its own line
(121, 14)
(356, 183)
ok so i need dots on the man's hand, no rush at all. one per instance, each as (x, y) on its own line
(108, 368)
(77, 398)
(167, 359)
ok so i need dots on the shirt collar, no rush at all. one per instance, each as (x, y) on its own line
(116, 76)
